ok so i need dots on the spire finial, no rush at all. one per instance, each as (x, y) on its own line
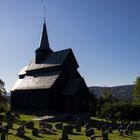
(44, 8)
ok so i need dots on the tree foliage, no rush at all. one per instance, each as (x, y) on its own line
(3, 101)
(2, 89)
(136, 91)
(93, 103)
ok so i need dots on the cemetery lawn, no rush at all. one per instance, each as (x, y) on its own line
(76, 136)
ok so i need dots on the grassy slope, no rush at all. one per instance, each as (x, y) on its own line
(76, 136)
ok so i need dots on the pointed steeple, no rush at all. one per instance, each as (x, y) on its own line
(44, 48)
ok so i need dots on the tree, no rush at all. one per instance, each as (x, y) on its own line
(107, 94)
(136, 91)
(3, 101)
(2, 89)
(105, 103)
(93, 103)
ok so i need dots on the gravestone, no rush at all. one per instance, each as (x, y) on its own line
(49, 126)
(3, 136)
(0, 123)
(10, 124)
(1, 129)
(78, 125)
(87, 126)
(131, 131)
(121, 127)
(20, 131)
(130, 128)
(59, 126)
(90, 132)
(121, 132)
(64, 135)
(110, 129)
(17, 115)
(92, 137)
(126, 132)
(35, 132)
(8, 115)
(69, 129)
(1, 117)
(30, 125)
(98, 127)
(42, 124)
(3, 133)
(103, 129)
(105, 135)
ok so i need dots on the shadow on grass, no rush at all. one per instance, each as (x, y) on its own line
(24, 137)
(75, 133)
(133, 136)
(19, 122)
(38, 136)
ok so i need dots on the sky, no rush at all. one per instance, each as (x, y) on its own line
(103, 34)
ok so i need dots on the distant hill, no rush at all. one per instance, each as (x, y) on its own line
(123, 92)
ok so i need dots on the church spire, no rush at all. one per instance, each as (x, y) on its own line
(44, 48)
(44, 43)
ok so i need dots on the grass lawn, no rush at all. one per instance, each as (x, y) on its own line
(76, 136)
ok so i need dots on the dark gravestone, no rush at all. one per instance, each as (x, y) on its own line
(0, 123)
(93, 137)
(1, 117)
(110, 129)
(130, 128)
(20, 131)
(105, 135)
(8, 115)
(121, 127)
(69, 129)
(3, 133)
(10, 124)
(42, 124)
(131, 131)
(5, 129)
(1, 129)
(17, 115)
(126, 132)
(35, 132)
(30, 125)
(64, 135)
(87, 126)
(3, 136)
(104, 128)
(78, 125)
(59, 126)
(49, 126)
(90, 132)
(98, 127)
(121, 132)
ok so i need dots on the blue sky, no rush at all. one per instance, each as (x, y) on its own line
(103, 34)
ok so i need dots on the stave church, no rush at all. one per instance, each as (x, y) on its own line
(50, 82)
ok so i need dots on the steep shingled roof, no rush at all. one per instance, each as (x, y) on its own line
(41, 81)
(54, 59)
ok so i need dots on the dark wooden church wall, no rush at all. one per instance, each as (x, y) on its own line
(31, 100)
(81, 99)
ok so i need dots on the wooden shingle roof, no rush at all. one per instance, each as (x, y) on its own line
(41, 81)
(54, 59)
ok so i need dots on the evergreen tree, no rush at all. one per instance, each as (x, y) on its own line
(3, 101)
(136, 91)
